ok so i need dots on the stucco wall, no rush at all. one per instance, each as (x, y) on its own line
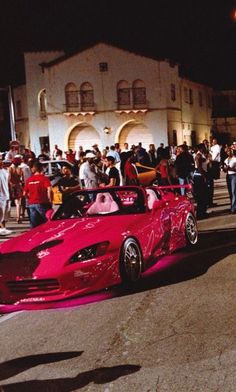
(34, 84)
(162, 114)
(21, 119)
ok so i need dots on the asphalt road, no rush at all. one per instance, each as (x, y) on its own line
(176, 333)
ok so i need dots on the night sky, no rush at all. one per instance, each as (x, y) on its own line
(200, 35)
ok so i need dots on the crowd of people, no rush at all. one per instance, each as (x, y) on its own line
(24, 183)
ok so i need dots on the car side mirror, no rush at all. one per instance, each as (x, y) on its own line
(49, 214)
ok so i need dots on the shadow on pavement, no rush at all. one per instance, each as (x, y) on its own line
(98, 376)
(213, 247)
(18, 365)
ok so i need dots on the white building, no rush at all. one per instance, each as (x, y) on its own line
(224, 115)
(105, 95)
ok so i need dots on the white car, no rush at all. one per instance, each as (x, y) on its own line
(52, 169)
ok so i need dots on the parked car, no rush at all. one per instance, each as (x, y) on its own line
(95, 239)
(52, 169)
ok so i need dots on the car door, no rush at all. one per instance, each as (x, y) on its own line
(161, 221)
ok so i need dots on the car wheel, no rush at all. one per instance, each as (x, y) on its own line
(191, 231)
(131, 262)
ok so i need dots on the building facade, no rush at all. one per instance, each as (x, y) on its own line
(6, 120)
(105, 95)
(224, 115)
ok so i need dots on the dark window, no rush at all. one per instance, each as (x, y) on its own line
(87, 99)
(18, 109)
(172, 92)
(186, 96)
(123, 96)
(190, 96)
(200, 98)
(139, 95)
(86, 96)
(103, 67)
(71, 97)
(174, 135)
(42, 102)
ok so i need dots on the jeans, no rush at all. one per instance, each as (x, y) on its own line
(200, 194)
(183, 181)
(232, 181)
(38, 214)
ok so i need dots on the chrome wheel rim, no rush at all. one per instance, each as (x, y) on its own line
(191, 229)
(133, 262)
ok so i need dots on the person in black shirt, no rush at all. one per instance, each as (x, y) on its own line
(112, 172)
(184, 165)
(67, 183)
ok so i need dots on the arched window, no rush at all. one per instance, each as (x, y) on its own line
(42, 99)
(71, 97)
(86, 96)
(139, 93)
(172, 92)
(123, 94)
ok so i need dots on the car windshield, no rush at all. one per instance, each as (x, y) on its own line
(115, 201)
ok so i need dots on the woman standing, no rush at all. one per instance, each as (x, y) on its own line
(163, 168)
(15, 185)
(230, 169)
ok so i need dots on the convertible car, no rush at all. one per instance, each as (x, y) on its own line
(96, 239)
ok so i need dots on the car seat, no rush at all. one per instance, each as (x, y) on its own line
(104, 204)
(151, 198)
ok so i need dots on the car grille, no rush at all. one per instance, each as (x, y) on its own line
(33, 285)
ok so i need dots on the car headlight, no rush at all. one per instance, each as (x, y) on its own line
(90, 252)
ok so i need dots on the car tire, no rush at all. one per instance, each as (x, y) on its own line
(191, 231)
(131, 262)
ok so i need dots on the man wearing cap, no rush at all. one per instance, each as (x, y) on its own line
(96, 151)
(4, 199)
(90, 176)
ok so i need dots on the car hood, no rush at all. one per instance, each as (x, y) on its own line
(47, 248)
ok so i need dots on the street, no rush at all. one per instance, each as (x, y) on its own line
(175, 333)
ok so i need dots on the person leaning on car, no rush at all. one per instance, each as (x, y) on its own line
(38, 191)
(67, 183)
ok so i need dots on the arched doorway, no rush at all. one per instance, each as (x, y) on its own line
(133, 133)
(83, 135)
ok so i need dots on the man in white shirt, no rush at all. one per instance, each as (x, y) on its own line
(215, 150)
(89, 173)
(215, 157)
(4, 199)
(126, 147)
(113, 153)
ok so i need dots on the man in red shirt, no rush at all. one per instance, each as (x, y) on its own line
(130, 171)
(38, 191)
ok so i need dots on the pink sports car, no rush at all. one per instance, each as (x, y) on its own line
(96, 239)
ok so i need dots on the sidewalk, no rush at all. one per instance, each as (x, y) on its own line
(17, 228)
(219, 216)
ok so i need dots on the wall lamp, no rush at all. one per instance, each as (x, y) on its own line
(107, 130)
